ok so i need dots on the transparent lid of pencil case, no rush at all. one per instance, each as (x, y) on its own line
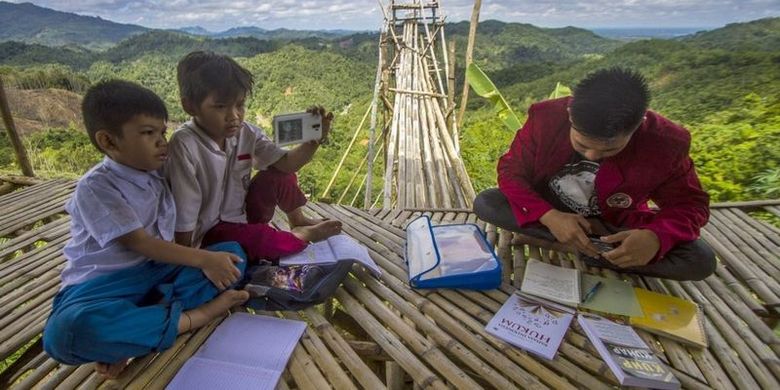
(455, 256)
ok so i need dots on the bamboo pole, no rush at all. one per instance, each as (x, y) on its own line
(469, 52)
(451, 87)
(417, 92)
(417, 370)
(422, 346)
(363, 183)
(346, 153)
(372, 123)
(13, 135)
(332, 338)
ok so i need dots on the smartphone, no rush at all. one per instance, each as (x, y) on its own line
(295, 128)
(601, 246)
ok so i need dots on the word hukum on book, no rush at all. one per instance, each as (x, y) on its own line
(532, 324)
(671, 317)
(570, 287)
(626, 354)
(245, 352)
(332, 250)
(450, 256)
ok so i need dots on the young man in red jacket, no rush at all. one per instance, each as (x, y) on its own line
(582, 170)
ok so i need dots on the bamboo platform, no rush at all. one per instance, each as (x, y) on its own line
(380, 333)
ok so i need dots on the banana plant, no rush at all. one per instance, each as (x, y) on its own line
(482, 86)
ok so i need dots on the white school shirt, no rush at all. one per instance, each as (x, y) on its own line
(210, 185)
(110, 201)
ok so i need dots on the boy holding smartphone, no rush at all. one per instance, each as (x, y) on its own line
(211, 158)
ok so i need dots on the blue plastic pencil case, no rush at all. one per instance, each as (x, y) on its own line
(450, 256)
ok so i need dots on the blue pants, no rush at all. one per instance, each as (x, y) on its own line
(129, 313)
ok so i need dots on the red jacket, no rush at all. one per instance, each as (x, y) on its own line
(655, 165)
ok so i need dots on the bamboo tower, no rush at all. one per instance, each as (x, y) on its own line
(423, 166)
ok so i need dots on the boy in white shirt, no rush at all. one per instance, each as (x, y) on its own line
(211, 161)
(127, 290)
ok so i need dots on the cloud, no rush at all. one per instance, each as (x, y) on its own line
(365, 14)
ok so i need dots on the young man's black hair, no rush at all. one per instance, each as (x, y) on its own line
(609, 102)
(200, 73)
(110, 104)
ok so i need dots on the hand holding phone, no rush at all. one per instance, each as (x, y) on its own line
(297, 128)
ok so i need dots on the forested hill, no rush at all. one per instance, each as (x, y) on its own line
(758, 35)
(722, 85)
(29, 23)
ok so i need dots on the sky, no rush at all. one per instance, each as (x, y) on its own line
(219, 15)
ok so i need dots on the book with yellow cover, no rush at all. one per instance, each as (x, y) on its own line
(669, 316)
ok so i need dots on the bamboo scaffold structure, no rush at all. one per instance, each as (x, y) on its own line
(423, 166)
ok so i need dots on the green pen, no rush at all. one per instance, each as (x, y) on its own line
(592, 292)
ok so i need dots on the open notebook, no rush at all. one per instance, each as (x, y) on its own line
(245, 352)
(569, 286)
(331, 250)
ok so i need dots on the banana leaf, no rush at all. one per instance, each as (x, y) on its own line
(560, 91)
(482, 86)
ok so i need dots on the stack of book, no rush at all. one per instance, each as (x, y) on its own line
(537, 317)
(629, 358)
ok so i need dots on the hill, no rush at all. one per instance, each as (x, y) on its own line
(281, 33)
(722, 89)
(39, 109)
(20, 54)
(758, 35)
(33, 24)
(500, 45)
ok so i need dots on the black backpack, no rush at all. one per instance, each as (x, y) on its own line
(294, 287)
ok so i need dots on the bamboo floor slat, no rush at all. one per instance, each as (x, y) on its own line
(379, 331)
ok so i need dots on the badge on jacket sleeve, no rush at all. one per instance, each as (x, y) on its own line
(619, 200)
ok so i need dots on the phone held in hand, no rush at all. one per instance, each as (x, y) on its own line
(297, 128)
(601, 246)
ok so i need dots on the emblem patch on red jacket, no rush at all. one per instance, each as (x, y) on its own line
(619, 200)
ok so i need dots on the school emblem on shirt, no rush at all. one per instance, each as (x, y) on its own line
(245, 181)
(619, 200)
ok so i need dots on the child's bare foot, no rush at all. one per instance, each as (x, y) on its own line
(111, 370)
(317, 232)
(297, 218)
(203, 314)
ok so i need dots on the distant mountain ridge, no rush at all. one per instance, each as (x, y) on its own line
(30, 23)
(758, 35)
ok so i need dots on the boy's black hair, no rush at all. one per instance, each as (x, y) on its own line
(203, 72)
(110, 104)
(609, 102)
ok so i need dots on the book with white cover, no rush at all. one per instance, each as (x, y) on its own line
(626, 354)
(551, 282)
(332, 250)
(532, 324)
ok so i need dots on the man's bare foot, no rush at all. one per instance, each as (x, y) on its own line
(111, 370)
(297, 218)
(317, 232)
(203, 314)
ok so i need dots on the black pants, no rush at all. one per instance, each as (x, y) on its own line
(692, 260)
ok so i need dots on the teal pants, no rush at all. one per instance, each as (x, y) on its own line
(129, 313)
